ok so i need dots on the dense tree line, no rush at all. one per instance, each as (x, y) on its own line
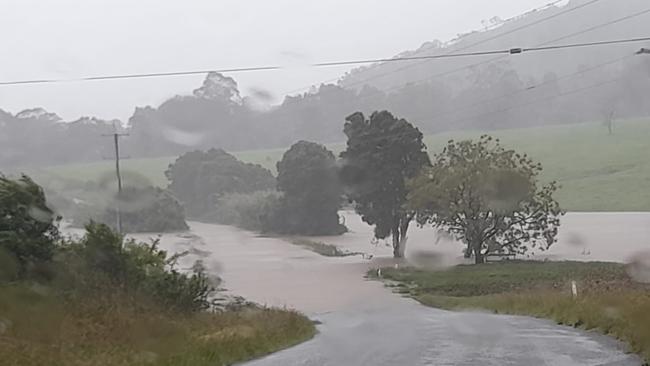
(199, 179)
(489, 96)
(483, 194)
(304, 198)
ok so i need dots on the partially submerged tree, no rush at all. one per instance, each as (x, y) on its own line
(488, 197)
(382, 153)
(198, 179)
(308, 178)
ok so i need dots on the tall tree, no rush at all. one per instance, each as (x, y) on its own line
(382, 153)
(487, 197)
(308, 178)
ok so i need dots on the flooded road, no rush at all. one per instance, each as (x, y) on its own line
(363, 323)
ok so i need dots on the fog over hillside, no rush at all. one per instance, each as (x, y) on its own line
(573, 85)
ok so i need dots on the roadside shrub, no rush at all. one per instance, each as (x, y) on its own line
(104, 259)
(28, 227)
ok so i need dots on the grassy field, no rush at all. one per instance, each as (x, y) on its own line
(608, 300)
(38, 328)
(598, 172)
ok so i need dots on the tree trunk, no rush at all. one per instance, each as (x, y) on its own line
(399, 237)
(479, 258)
(398, 245)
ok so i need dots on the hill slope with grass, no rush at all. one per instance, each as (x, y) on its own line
(597, 171)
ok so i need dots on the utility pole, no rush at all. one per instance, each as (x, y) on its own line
(116, 141)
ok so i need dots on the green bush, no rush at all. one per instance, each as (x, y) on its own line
(104, 259)
(199, 179)
(28, 227)
(250, 211)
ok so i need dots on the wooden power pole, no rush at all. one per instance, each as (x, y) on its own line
(116, 141)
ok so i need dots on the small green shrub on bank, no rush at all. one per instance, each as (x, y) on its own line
(104, 258)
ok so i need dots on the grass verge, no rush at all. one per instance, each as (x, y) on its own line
(608, 300)
(39, 328)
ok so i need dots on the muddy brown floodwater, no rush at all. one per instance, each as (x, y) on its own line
(363, 323)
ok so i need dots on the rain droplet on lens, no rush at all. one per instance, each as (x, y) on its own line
(575, 239)
(639, 267)
(182, 137)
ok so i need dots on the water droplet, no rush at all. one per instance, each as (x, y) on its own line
(182, 137)
(639, 267)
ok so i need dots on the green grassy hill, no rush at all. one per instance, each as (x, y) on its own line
(598, 172)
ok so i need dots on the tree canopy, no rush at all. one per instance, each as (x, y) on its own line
(382, 153)
(199, 178)
(28, 226)
(308, 178)
(488, 197)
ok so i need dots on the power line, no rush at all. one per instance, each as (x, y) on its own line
(536, 86)
(449, 72)
(380, 136)
(570, 92)
(510, 51)
(410, 58)
(588, 44)
(447, 44)
(580, 32)
(143, 75)
(525, 26)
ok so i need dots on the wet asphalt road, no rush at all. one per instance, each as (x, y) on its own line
(415, 335)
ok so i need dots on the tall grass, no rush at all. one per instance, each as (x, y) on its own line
(38, 327)
(608, 301)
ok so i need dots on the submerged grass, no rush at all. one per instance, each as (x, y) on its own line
(324, 249)
(39, 328)
(608, 300)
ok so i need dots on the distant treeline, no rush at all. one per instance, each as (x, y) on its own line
(571, 86)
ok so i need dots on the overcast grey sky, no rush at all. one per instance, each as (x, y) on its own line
(74, 38)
